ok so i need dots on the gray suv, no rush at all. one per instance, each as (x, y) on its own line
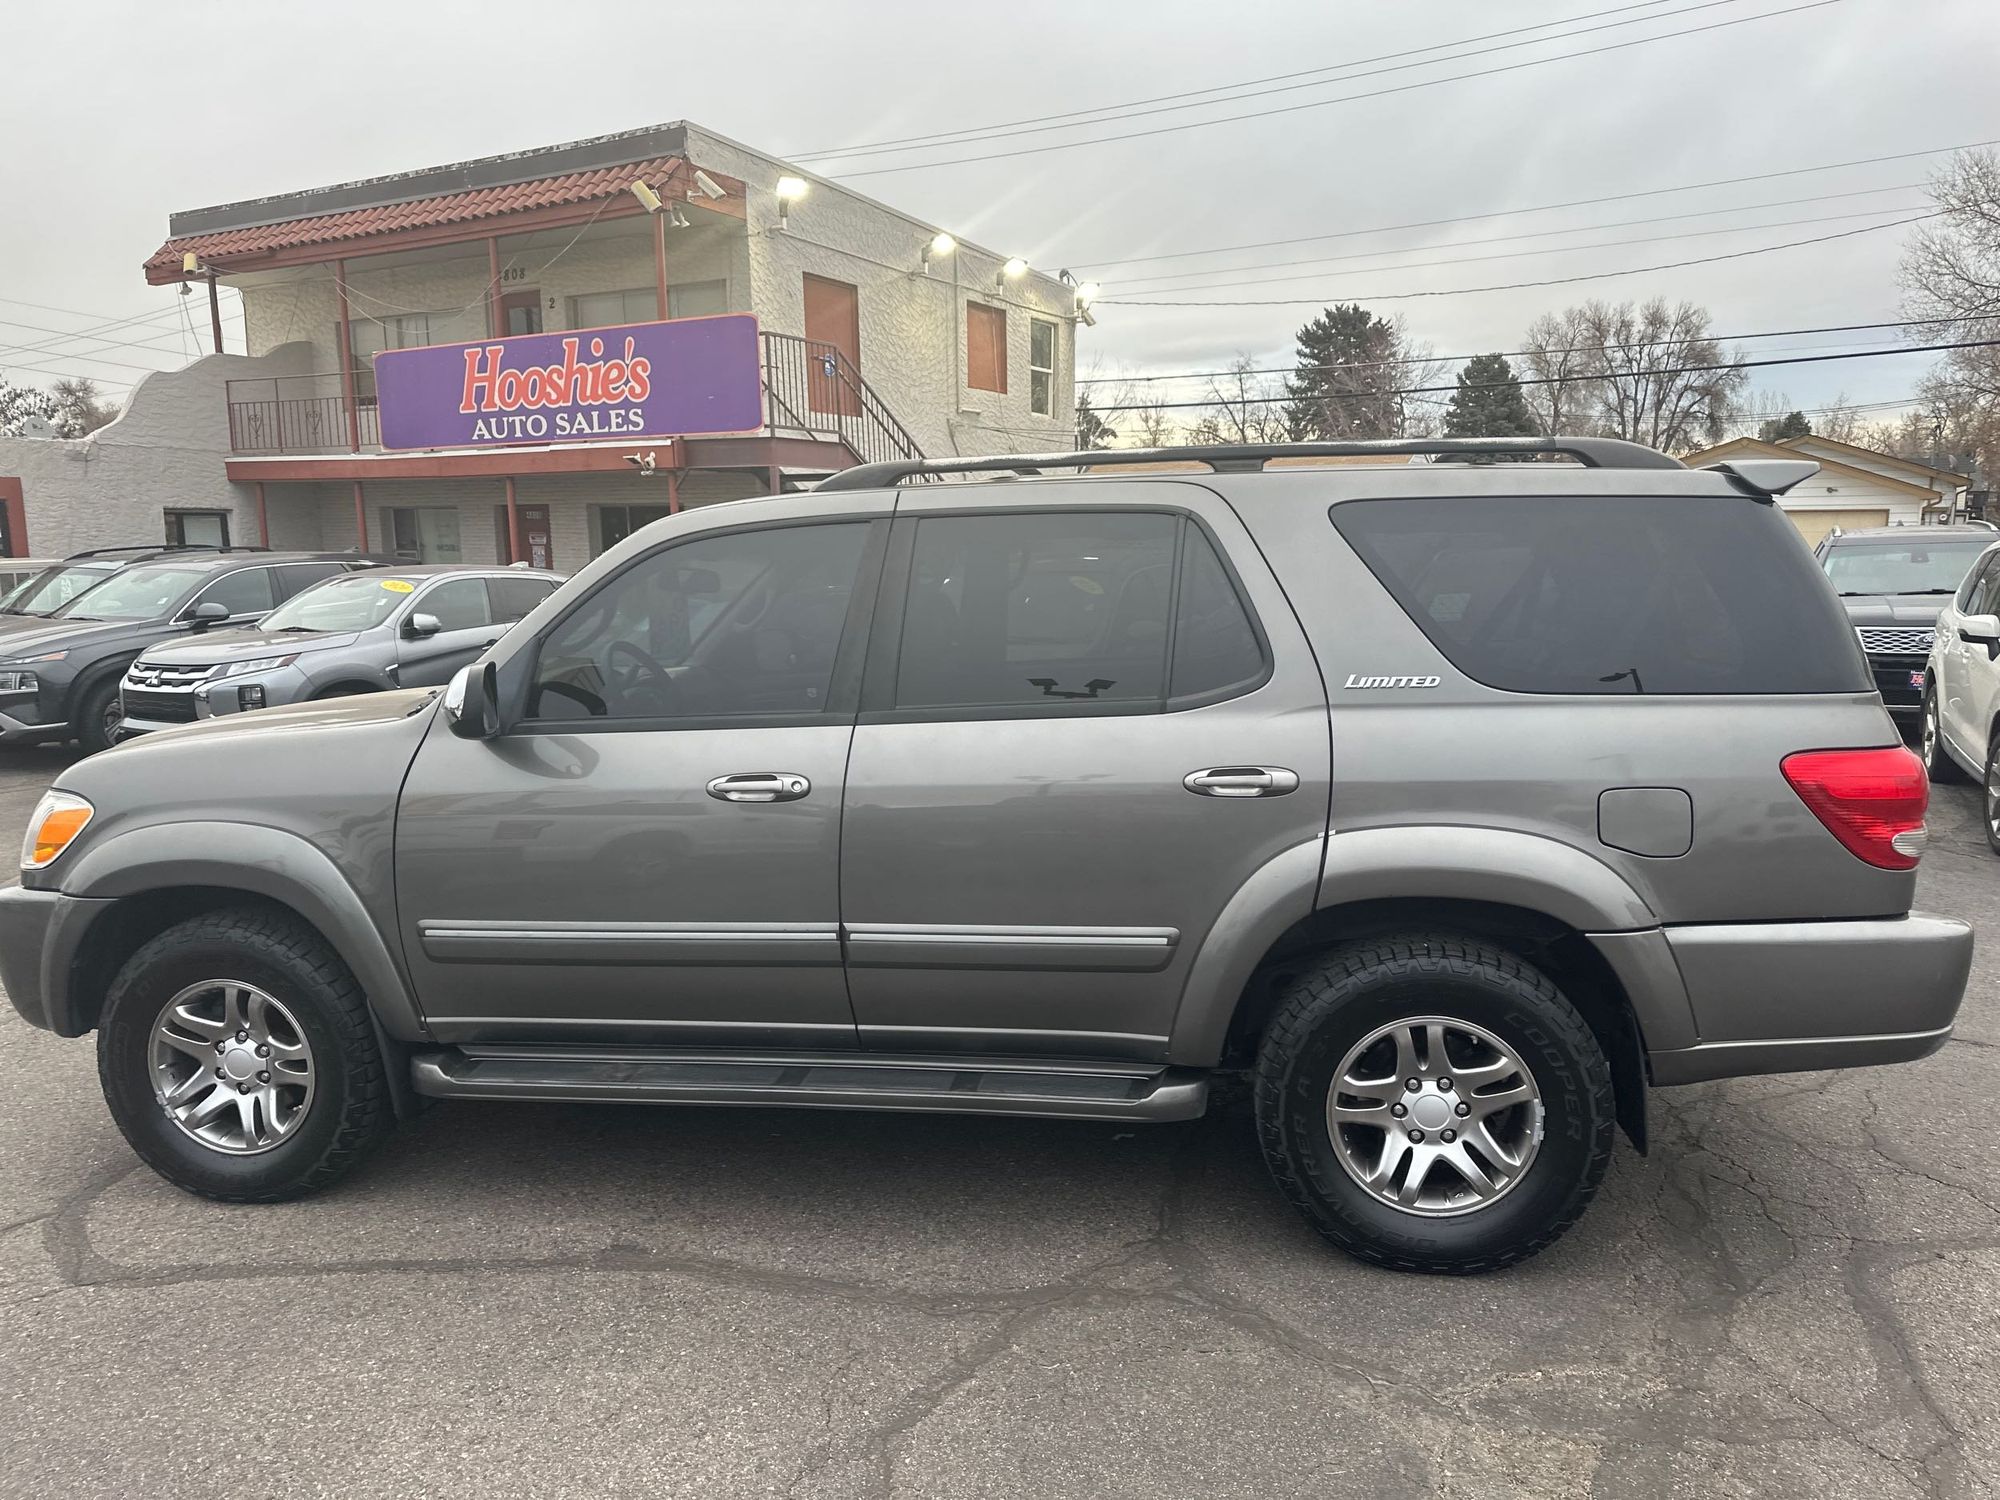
(362, 633)
(1457, 804)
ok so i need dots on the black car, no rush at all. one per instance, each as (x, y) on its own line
(59, 676)
(1894, 580)
(49, 589)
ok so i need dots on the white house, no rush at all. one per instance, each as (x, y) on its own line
(879, 336)
(1854, 486)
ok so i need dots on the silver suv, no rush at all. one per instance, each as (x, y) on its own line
(362, 633)
(1455, 803)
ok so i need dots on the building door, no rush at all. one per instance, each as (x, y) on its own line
(521, 312)
(537, 538)
(833, 333)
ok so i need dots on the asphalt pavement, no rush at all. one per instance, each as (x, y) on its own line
(1797, 1292)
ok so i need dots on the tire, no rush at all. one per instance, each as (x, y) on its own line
(1472, 990)
(317, 1124)
(1938, 764)
(1989, 796)
(97, 716)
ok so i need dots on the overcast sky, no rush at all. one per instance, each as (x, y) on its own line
(114, 114)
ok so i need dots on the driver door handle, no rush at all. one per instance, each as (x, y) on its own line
(760, 786)
(1242, 781)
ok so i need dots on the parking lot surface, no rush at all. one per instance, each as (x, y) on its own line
(1797, 1292)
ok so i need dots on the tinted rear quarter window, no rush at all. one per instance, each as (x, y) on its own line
(1611, 594)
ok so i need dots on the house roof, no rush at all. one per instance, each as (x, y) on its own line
(222, 247)
(1814, 439)
(1750, 447)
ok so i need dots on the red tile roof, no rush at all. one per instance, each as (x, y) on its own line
(223, 245)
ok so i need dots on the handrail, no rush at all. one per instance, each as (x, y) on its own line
(811, 386)
(1229, 458)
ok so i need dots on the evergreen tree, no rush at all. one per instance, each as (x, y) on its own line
(1791, 425)
(1488, 401)
(1092, 431)
(1347, 376)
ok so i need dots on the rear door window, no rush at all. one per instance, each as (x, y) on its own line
(1611, 594)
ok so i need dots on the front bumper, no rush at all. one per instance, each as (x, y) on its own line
(1789, 997)
(151, 708)
(1899, 679)
(15, 731)
(40, 932)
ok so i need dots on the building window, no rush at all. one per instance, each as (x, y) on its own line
(986, 347)
(197, 528)
(613, 523)
(368, 337)
(427, 533)
(1041, 367)
(698, 299)
(690, 299)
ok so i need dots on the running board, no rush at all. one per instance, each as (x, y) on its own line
(1050, 1088)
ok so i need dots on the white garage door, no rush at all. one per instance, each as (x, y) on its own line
(1814, 524)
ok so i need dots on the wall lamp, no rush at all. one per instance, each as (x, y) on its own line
(942, 246)
(789, 190)
(1014, 268)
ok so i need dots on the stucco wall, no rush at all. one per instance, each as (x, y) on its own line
(164, 452)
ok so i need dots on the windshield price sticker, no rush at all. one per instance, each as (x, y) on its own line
(399, 586)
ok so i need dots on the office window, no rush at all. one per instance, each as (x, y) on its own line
(424, 533)
(986, 347)
(368, 337)
(609, 309)
(697, 299)
(616, 522)
(192, 528)
(1041, 367)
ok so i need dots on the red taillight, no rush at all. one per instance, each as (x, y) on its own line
(1873, 801)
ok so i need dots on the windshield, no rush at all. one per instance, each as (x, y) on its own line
(54, 587)
(1918, 566)
(352, 603)
(135, 594)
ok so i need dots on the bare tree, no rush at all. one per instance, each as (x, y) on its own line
(1243, 407)
(1152, 423)
(1562, 364)
(1840, 421)
(1665, 382)
(1951, 279)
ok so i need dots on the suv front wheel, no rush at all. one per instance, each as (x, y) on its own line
(1432, 1103)
(238, 1058)
(1938, 764)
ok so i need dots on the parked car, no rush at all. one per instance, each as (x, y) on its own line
(1961, 700)
(1455, 803)
(359, 633)
(16, 571)
(59, 675)
(1893, 580)
(54, 584)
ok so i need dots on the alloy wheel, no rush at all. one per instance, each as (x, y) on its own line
(1930, 734)
(231, 1066)
(1434, 1116)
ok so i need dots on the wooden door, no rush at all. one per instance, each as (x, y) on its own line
(521, 312)
(833, 332)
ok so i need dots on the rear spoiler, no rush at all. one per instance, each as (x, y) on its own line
(1765, 478)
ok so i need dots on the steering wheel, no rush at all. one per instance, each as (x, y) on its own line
(646, 684)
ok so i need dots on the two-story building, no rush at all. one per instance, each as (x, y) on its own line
(878, 336)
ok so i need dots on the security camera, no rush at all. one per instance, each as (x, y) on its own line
(645, 463)
(710, 188)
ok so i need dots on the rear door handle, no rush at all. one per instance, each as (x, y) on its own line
(760, 786)
(1241, 781)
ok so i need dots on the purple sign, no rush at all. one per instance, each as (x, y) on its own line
(689, 376)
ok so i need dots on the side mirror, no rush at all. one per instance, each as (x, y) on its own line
(420, 625)
(204, 615)
(1981, 630)
(472, 702)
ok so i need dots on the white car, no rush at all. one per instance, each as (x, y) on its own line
(1961, 708)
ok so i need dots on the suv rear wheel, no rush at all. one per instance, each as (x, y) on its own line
(1432, 1103)
(1938, 764)
(238, 1058)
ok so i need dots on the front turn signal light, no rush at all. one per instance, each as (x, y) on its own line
(58, 818)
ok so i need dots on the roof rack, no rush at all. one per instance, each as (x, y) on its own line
(1235, 458)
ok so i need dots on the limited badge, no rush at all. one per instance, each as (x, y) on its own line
(399, 586)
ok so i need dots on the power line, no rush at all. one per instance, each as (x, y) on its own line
(1543, 208)
(70, 375)
(1432, 359)
(140, 344)
(1466, 260)
(1539, 234)
(1402, 88)
(1113, 113)
(1515, 286)
(1591, 379)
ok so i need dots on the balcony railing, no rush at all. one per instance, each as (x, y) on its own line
(811, 390)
